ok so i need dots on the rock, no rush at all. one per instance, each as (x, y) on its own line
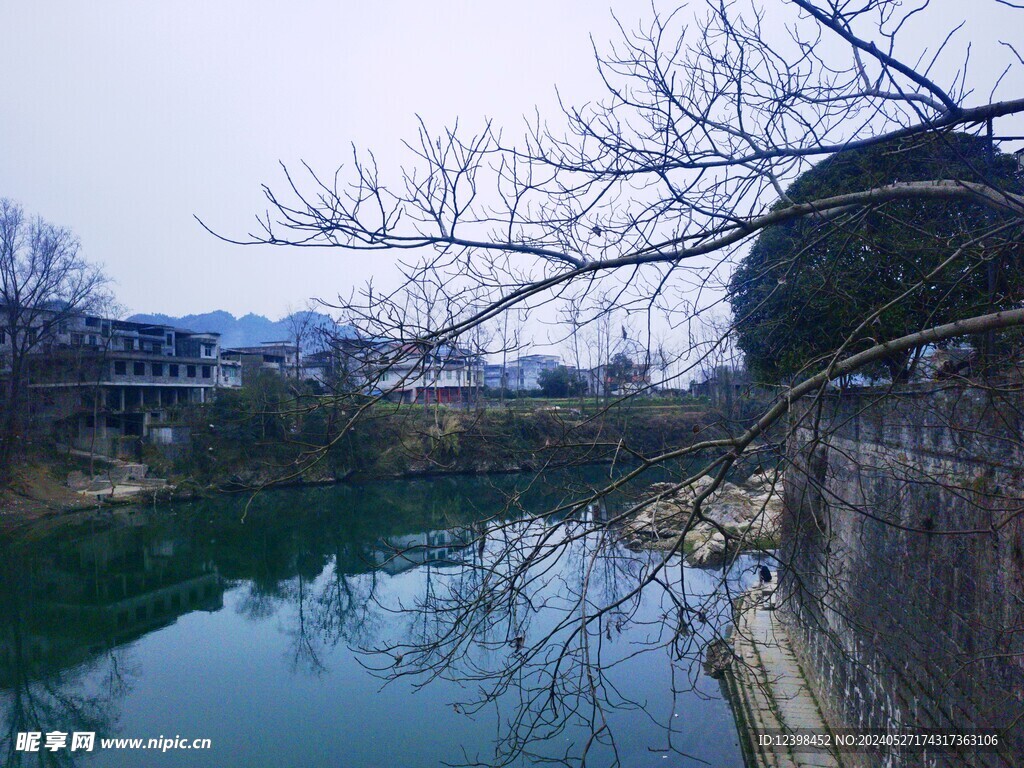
(757, 506)
(77, 481)
(659, 488)
(666, 544)
(697, 535)
(718, 658)
(710, 554)
(764, 479)
(125, 473)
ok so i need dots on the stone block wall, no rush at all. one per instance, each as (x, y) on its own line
(903, 563)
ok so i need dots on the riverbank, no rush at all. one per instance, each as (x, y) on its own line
(231, 451)
(768, 690)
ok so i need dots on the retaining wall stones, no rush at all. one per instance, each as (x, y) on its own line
(903, 564)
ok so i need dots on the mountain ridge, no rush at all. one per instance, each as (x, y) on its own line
(250, 329)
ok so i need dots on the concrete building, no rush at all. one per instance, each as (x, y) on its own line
(107, 385)
(607, 381)
(446, 374)
(520, 374)
(281, 357)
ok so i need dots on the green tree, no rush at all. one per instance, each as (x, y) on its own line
(812, 285)
(620, 372)
(561, 382)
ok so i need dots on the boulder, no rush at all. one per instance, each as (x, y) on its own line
(755, 505)
(764, 479)
(710, 554)
(718, 658)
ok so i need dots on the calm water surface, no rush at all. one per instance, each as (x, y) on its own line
(244, 624)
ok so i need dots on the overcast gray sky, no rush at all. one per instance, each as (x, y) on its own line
(121, 120)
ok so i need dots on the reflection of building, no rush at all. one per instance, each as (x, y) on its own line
(98, 591)
(397, 554)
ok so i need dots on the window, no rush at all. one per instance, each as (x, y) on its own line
(170, 339)
(92, 322)
(191, 371)
(129, 345)
(120, 368)
(93, 342)
(33, 335)
(139, 369)
(3, 337)
(158, 369)
(207, 350)
(206, 371)
(62, 326)
(173, 372)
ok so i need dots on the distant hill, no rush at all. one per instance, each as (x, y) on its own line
(246, 331)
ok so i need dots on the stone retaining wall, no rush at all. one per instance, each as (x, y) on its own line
(903, 556)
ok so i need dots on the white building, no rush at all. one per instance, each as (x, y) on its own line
(106, 385)
(520, 374)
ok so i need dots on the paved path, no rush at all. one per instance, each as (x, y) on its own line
(768, 688)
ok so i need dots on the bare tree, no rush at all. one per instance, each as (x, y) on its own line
(640, 203)
(44, 282)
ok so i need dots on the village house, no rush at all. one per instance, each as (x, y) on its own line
(446, 374)
(281, 357)
(404, 372)
(521, 374)
(108, 385)
(726, 385)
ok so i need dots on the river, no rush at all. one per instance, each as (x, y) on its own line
(252, 623)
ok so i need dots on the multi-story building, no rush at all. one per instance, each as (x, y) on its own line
(520, 374)
(724, 385)
(445, 374)
(280, 357)
(106, 385)
(406, 372)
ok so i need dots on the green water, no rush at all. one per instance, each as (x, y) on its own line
(252, 623)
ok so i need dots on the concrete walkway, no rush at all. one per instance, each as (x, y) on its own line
(768, 690)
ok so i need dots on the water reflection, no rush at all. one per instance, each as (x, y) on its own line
(71, 601)
(440, 576)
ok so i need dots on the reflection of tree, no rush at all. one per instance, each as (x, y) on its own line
(510, 605)
(40, 691)
(543, 620)
(306, 642)
(344, 606)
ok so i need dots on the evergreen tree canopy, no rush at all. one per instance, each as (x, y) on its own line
(810, 284)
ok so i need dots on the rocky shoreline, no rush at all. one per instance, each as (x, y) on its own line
(737, 517)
